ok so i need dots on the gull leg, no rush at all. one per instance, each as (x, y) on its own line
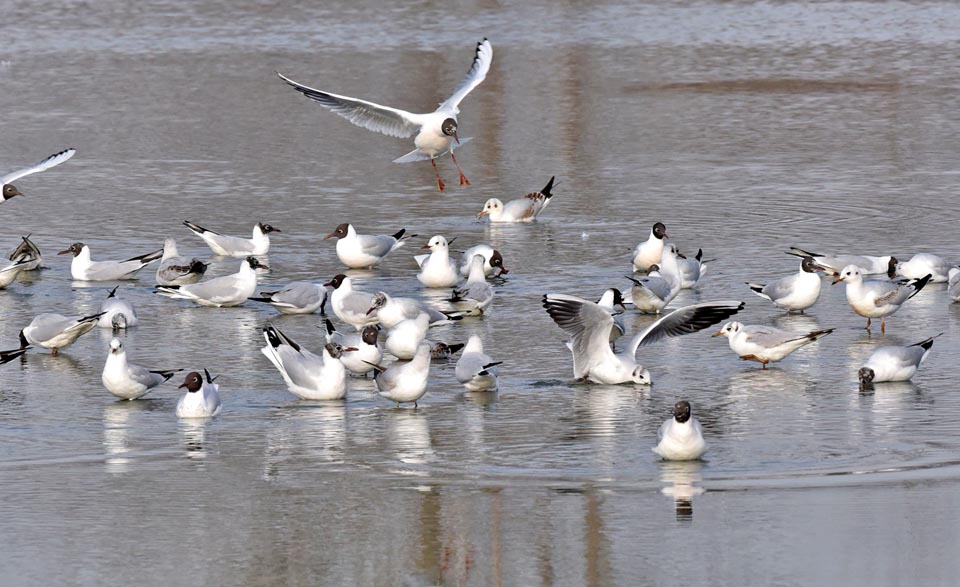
(883, 325)
(54, 351)
(463, 178)
(868, 325)
(439, 181)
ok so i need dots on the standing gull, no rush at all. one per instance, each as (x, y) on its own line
(875, 298)
(234, 246)
(653, 293)
(766, 344)
(492, 259)
(405, 382)
(202, 399)
(351, 306)
(29, 253)
(117, 314)
(219, 292)
(300, 297)
(475, 369)
(128, 381)
(922, 264)
(473, 297)
(56, 332)
(83, 268)
(833, 264)
(438, 270)
(648, 252)
(9, 190)
(793, 293)
(953, 288)
(363, 251)
(307, 376)
(367, 353)
(435, 132)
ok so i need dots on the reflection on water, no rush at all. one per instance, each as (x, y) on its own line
(117, 418)
(681, 481)
(408, 436)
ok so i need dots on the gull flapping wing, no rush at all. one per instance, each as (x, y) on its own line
(51, 161)
(686, 320)
(383, 119)
(588, 326)
(478, 72)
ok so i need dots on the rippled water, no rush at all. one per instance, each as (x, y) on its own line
(745, 127)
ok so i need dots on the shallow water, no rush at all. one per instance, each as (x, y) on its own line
(746, 128)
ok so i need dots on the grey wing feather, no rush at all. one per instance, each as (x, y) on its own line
(298, 295)
(47, 326)
(686, 320)
(51, 161)
(477, 73)
(904, 355)
(382, 119)
(378, 245)
(358, 302)
(588, 326)
(214, 289)
(301, 367)
(780, 288)
(143, 376)
(894, 294)
(770, 337)
(657, 285)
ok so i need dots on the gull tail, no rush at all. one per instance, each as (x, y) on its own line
(196, 227)
(417, 155)
(167, 373)
(401, 239)
(818, 334)
(801, 253)
(148, 258)
(919, 284)
(927, 344)
(757, 289)
(546, 189)
(488, 366)
(455, 348)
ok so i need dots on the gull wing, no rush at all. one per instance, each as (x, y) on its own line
(382, 119)
(51, 161)
(478, 72)
(685, 320)
(588, 326)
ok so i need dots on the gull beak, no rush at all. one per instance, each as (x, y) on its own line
(503, 271)
(17, 192)
(715, 334)
(328, 284)
(331, 235)
(264, 267)
(349, 349)
(371, 310)
(275, 229)
(184, 384)
(456, 137)
(482, 213)
(665, 235)
(425, 247)
(837, 280)
(64, 252)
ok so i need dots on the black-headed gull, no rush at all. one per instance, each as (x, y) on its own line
(521, 211)
(442, 351)
(766, 344)
(405, 382)
(793, 293)
(363, 251)
(390, 310)
(175, 269)
(475, 369)
(118, 314)
(307, 375)
(403, 339)
(350, 305)
(647, 253)
(56, 332)
(234, 246)
(438, 270)
(833, 264)
(7, 356)
(681, 437)
(925, 264)
(651, 294)
(895, 363)
(435, 132)
(366, 344)
(875, 298)
(219, 292)
(128, 381)
(83, 268)
(474, 296)
(202, 398)
(492, 259)
(300, 297)
(588, 326)
(9, 190)
(29, 253)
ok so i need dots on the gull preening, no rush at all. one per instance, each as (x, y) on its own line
(833, 264)
(652, 293)
(219, 292)
(118, 314)
(83, 268)
(691, 270)
(681, 437)
(475, 369)
(390, 311)
(28, 253)
(436, 132)
(473, 297)
(177, 270)
(438, 270)
(588, 326)
(405, 382)
(351, 306)
(56, 332)
(366, 353)
(9, 273)
(875, 298)
(925, 264)
(128, 381)
(202, 399)
(443, 351)
(307, 375)
(404, 338)
(364, 251)
(520, 211)
(793, 293)
(647, 253)
(895, 363)
(9, 190)
(234, 246)
(492, 259)
(300, 297)
(766, 344)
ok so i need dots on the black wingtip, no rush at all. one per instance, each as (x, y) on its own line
(91, 317)
(546, 189)
(927, 344)
(113, 292)
(919, 284)
(399, 234)
(455, 348)
(329, 325)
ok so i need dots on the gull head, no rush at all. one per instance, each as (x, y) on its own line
(118, 321)
(449, 128)
(849, 274)
(496, 260)
(267, 229)
(337, 281)
(193, 382)
(369, 335)
(892, 267)
(640, 375)
(729, 329)
(336, 351)
(255, 263)
(10, 190)
(681, 411)
(379, 300)
(437, 243)
(866, 376)
(660, 231)
(75, 248)
(116, 346)
(490, 206)
(338, 232)
(810, 266)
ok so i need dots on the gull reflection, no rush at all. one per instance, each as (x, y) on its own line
(117, 418)
(797, 322)
(681, 479)
(193, 436)
(305, 432)
(408, 433)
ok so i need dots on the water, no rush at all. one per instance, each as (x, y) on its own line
(745, 127)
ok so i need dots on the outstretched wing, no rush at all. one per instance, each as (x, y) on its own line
(478, 72)
(588, 326)
(51, 161)
(382, 119)
(686, 320)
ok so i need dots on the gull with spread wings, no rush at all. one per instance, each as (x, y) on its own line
(435, 131)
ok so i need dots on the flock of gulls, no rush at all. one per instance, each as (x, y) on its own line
(377, 326)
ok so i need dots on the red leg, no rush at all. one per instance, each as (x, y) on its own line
(463, 178)
(868, 325)
(883, 325)
(439, 181)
